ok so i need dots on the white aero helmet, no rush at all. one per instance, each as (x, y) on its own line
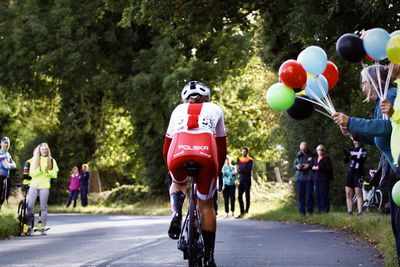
(194, 88)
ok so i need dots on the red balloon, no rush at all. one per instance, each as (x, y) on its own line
(369, 58)
(331, 74)
(292, 74)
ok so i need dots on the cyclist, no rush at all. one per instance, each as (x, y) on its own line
(196, 132)
(42, 168)
(356, 156)
(6, 164)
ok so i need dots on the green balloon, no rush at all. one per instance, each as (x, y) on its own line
(396, 193)
(393, 49)
(280, 97)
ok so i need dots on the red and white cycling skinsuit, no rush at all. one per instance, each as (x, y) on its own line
(196, 132)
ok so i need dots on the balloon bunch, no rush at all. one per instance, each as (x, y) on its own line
(375, 44)
(304, 82)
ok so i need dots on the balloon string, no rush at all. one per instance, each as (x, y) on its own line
(378, 75)
(373, 85)
(390, 71)
(326, 97)
(317, 99)
(316, 103)
(323, 113)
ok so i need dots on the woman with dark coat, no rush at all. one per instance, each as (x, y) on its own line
(322, 168)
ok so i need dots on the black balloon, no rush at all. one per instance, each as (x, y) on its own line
(350, 47)
(301, 109)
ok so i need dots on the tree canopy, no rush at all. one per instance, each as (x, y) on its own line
(99, 79)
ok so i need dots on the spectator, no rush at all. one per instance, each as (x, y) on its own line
(73, 186)
(43, 168)
(376, 131)
(244, 168)
(392, 109)
(303, 178)
(356, 156)
(6, 164)
(322, 168)
(229, 177)
(84, 184)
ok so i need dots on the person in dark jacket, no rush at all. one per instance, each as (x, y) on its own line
(84, 184)
(322, 168)
(302, 165)
(244, 167)
(356, 156)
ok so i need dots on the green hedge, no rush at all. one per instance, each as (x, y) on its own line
(8, 225)
(127, 194)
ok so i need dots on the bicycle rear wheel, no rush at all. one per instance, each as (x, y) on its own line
(192, 242)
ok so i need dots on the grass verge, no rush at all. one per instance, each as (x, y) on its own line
(8, 222)
(373, 227)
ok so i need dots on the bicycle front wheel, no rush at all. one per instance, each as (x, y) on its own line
(21, 216)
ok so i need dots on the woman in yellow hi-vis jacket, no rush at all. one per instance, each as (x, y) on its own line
(43, 168)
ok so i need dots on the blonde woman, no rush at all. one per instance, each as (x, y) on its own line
(374, 131)
(42, 169)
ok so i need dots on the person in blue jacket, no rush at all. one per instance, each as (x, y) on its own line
(376, 131)
(6, 164)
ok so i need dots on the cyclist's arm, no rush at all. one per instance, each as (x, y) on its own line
(167, 143)
(220, 133)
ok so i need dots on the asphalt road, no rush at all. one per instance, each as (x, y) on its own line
(110, 240)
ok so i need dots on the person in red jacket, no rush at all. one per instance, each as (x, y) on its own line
(196, 131)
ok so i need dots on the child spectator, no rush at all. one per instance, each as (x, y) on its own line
(73, 186)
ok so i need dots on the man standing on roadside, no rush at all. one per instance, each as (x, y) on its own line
(244, 166)
(303, 179)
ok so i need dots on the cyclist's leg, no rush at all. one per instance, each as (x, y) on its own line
(177, 193)
(206, 186)
(209, 227)
(360, 200)
(349, 199)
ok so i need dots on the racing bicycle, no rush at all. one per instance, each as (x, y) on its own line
(372, 196)
(191, 241)
(23, 210)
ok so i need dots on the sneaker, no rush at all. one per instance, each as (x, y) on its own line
(227, 216)
(233, 214)
(43, 232)
(29, 231)
(175, 227)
